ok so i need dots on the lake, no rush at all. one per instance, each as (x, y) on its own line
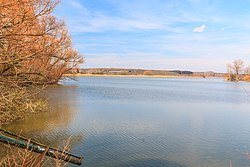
(147, 122)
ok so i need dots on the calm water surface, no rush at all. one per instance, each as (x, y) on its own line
(147, 122)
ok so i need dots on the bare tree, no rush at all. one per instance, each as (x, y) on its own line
(35, 48)
(229, 72)
(247, 71)
(235, 69)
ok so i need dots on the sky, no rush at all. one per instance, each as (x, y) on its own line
(196, 35)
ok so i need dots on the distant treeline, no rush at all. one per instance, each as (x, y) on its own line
(123, 71)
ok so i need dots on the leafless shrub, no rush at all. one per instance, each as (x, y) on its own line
(17, 157)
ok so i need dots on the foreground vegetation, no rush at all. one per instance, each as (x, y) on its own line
(35, 49)
(17, 157)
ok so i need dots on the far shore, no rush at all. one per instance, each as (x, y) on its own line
(137, 76)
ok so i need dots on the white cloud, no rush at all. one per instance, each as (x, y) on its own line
(80, 18)
(85, 20)
(200, 28)
(222, 28)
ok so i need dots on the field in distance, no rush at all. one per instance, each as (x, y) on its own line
(140, 73)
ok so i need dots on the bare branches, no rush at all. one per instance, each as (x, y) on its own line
(35, 49)
(236, 71)
(25, 157)
(34, 42)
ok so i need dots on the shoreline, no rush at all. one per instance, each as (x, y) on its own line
(136, 76)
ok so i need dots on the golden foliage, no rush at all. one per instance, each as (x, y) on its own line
(35, 49)
(34, 46)
(246, 78)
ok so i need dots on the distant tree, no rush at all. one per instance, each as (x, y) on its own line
(247, 74)
(229, 72)
(247, 70)
(235, 69)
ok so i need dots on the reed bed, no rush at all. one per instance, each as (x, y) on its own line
(16, 157)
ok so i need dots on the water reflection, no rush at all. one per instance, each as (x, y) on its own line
(52, 127)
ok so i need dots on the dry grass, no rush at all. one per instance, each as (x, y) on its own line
(17, 157)
(246, 78)
(16, 102)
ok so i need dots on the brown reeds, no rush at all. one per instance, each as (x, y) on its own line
(16, 157)
(16, 102)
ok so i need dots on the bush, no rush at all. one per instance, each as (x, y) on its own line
(247, 78)
(17, 102)
(148, 73)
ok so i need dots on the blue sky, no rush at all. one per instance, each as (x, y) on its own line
(197, 35)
